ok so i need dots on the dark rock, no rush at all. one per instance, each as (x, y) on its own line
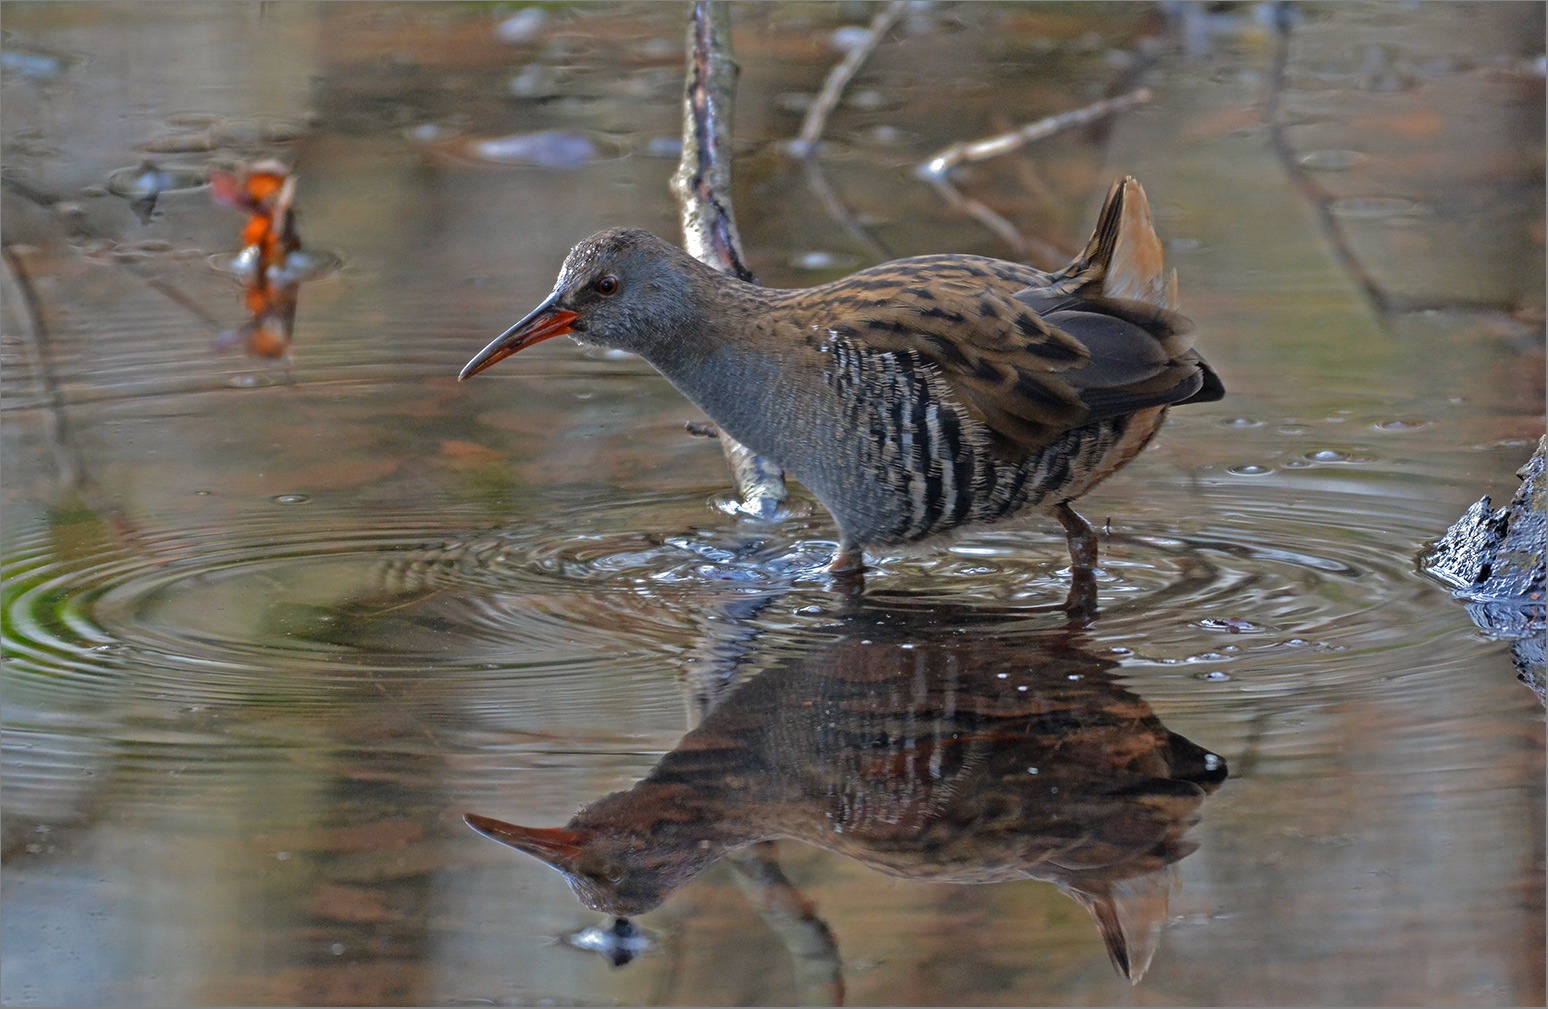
(1495, 561)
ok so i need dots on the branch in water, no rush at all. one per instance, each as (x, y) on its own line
(702, 183)
(978, 150)
(702, 186)
(937, 170)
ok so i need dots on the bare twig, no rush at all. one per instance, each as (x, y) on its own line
(978, 150)
(702, 185)
(839, 77)
(937, 170)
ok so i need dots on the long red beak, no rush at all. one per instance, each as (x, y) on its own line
(540, 324)
(553, 845)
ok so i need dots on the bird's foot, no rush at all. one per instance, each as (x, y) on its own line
(848, 569)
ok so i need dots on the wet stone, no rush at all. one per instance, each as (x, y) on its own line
(1494, 559)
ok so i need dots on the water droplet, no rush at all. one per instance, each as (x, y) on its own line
(818, 260)
(1328, 455)
(534, 81)
(1373, 207)
(871, 100)
(849, 37)
(250, 380)
(1213, 676)
(191, 120)
(1031, 770)
(664, 147)
(149, 180)
(193, 142)
(1398, 425)
(1022, 688)
(1211, 762)
(201, 493)
(426, 133)
(1331, 160)
(885, 133)
(291, 498)
(794, 102)
(1251, 469)
(1241, 422)
(522, 26)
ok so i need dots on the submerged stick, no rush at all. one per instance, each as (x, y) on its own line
(819, 972)
(839, 77)
(1320, 199)
(702, 186)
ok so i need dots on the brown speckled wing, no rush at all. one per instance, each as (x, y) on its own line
(1029, 361)
(1033, 355)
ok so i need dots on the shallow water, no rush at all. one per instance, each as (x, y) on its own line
(269, 632)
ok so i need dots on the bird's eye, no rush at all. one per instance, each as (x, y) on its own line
(606, 285)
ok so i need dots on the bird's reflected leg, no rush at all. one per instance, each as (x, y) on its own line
(1081, 603)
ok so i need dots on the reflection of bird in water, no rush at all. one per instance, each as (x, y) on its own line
(968, 761)
(915, 397)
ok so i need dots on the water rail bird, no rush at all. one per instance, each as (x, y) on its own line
(915, 397)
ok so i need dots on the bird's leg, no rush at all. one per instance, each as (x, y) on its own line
(848, 567)
(1079, 535)
(1081, 539)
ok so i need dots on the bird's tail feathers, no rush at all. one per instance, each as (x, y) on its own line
(1124, 258)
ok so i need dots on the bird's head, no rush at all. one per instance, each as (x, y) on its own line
(622, 288)
(618, 867)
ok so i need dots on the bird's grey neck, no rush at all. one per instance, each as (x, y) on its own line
(733, 374)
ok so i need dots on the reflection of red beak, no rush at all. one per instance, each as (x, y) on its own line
(541, 323)
(554, 845)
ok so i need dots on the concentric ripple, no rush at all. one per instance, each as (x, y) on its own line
(329, 602)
